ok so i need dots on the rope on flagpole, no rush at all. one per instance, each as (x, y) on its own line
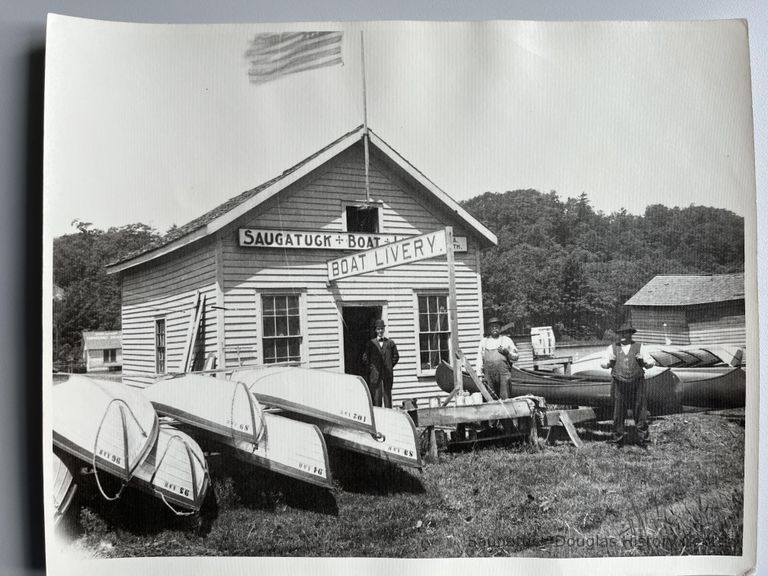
(365, 120)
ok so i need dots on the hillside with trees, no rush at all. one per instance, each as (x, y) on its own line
(566, 265)
(557, 263)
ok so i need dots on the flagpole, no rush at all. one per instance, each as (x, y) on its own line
(365, 121)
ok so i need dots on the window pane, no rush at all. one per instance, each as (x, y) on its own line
(423, 304)
(269, 305)
(280, 305)
(281, 326)
(269, 327)
(294, 349)
(281, 349)
(293, 325)
(293, 305)
(423, 322)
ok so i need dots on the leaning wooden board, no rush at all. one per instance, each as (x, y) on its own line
(452, 415)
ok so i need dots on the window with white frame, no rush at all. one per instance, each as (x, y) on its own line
(160, 345)
(362, 219)
(281, 328)
(109, 355)
(434, 331)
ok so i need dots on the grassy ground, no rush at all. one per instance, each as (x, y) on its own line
(683, 495)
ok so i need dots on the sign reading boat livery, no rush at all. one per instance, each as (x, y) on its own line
(406, 251)
(323, 240)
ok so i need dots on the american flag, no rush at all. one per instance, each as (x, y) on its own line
(276, 55)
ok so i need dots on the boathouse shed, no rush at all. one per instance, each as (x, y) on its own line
(257, 264)
(102, 350)
(690, 309)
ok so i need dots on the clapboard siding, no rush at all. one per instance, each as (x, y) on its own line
(318, 204)
(167, 288)
(718, 323)
(242, 275)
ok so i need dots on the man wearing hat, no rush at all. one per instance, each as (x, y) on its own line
(628, 360)
(494, 356)
(379, 359)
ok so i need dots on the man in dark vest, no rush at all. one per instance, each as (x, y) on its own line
(628, 360)
(380, 358)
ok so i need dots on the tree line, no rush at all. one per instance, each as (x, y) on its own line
(558, 263)
(566, 265)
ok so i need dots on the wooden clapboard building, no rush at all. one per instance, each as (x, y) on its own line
(690, 309)
(257, 265)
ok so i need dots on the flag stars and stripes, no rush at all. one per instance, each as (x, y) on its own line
(275, 55)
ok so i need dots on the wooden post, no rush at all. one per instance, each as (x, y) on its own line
(458, 381)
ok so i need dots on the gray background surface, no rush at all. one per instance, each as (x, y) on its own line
(22, 40)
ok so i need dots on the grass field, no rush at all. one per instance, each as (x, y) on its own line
(683, 495)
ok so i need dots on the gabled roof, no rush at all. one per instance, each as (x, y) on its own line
(689, 289)
(102, 340)
(227, 212)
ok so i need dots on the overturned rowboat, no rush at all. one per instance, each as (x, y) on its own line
(174, 470)
(226, 412)
(103, 423)
(332, 397)
(64, 488)
(395, 440)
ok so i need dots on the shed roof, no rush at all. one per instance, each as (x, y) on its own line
(102, 340)
(686, 290)
(233, 208)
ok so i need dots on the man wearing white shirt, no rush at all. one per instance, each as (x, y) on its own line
(628, 360)
(494, 357)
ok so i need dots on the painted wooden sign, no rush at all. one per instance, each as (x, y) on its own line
(412, 249)
(324, 240)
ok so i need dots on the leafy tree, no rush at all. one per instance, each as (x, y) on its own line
(91, 299)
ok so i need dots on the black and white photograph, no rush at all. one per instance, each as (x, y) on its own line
(400, 290)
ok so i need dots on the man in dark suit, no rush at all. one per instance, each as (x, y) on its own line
(380, 358)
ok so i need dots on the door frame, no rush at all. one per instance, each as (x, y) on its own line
(340, 305)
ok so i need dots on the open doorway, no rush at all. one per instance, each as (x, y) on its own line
(358, 329)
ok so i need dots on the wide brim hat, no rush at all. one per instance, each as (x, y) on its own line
(493, 320)
(626, 327)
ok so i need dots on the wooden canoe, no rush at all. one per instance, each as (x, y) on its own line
(586, 389)
(332, 397)
(64, 488)
(715, 388)
(174, 471)
(103, 423)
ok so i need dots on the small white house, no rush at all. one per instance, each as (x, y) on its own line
(103, 351)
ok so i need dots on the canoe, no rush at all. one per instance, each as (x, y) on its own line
(444, 379)
(64, 488)
(333, 397)
(587, 389)
(291, 448)
(715, 388)
(225, 412)
(395, 441)
(695, 356)
(174, 470)
(223, 408)
(103, 423)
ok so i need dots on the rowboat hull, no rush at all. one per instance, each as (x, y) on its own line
(223, 408)
(103, 423)
(291, 448)
(342, 399)
(227, 413)
(395, 440)
(64, 488)
(174, 471)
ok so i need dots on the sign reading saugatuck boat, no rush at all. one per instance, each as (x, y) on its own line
(410, 249)
(309, 239)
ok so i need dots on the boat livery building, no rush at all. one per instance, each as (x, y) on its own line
(255, 268)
